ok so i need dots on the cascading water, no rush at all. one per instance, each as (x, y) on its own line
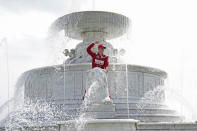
(152, 96)
(32, 114)
(23, 114)
(83, 116)
(127, 87)
(97, 93)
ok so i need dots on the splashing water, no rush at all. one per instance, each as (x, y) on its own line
(27, 113)
(56, 50)
(37, 113)
(154, 96)
(90, 96)
(127, 88)
(83, 116)
(96, 94)
(81, 121)
(16, 100)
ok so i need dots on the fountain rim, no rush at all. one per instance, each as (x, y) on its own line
(96, 11)
(117, 66)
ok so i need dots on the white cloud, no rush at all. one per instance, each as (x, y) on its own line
(52, 6)
(23, 5)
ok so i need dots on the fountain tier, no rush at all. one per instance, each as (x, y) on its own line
(106, 25)
(65, 84)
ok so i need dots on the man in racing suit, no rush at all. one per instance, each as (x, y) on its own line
(98, 59)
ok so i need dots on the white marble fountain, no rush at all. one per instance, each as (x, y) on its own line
(128, 84)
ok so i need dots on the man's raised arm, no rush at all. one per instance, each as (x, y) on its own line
(90, 52)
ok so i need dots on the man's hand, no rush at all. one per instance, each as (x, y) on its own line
(96, 42)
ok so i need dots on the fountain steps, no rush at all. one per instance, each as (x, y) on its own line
(167, 126)
(134, 111)
(123, 105)
(142, 117)
(125, 108)
(137, 126)
(157, 108)
(134, 100)
(140, 106)
(151, 117)
(145, 111)
(150, 112)
(147, 114)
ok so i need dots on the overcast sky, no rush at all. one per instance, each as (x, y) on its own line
(164, 35)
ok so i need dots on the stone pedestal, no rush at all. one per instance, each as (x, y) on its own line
(102, 125)
(101, 111)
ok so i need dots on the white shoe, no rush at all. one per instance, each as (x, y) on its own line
(107, 101)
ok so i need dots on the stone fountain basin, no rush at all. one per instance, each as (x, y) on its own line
(67, 82)
(65, 85)
(110, 24)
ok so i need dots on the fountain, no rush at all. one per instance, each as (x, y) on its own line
(64, 85)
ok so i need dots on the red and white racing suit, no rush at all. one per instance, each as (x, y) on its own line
(97, 60)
